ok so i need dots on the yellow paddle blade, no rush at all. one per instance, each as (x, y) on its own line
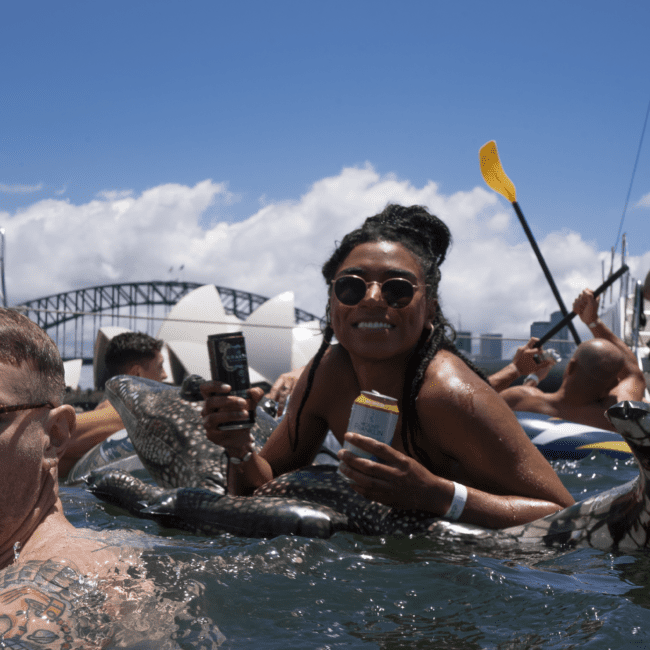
(493, 173)
(612, 445)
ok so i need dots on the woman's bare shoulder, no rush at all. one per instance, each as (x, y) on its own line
(448, 380)
(454, 398)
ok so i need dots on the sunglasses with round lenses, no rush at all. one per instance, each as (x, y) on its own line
(397, 292)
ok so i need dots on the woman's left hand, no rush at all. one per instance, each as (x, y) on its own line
(399, 481)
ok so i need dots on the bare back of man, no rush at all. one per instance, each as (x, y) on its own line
(601, 373)
(532, 399)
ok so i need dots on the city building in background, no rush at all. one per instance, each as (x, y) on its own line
(464, 342)
(561, 342)
(491, 346)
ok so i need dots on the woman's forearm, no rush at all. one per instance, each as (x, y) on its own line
(498, 511)
(244, 478)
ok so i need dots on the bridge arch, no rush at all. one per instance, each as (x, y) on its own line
(73, 318)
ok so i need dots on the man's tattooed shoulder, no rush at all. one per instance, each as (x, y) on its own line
(38, 600)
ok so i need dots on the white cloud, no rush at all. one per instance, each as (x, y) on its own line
(644, 201)
(20, 189)
(492, 281)
(114, 195)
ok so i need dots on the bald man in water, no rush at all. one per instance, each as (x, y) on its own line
(601, 373)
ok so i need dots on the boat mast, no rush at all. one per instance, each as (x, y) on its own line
(3, 292)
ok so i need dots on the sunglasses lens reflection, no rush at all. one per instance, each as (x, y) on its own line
(397, 293)
(351, 290)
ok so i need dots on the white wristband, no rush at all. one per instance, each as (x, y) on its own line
(457, 503)
(593, 324)
(532, 376)
(238, 461)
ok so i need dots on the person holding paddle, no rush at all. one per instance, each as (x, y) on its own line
(601, 373)
(529, 360)
(458, 450)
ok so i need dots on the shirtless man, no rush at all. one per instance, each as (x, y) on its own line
(601, 373)
(43, 557)
(130, 353)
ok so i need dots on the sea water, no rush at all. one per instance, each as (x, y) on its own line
(353, 591)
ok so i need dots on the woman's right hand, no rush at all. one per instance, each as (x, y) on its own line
(221, 407)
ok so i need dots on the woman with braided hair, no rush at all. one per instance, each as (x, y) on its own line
(458, 452)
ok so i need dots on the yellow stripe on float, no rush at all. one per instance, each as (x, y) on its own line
(612, 445)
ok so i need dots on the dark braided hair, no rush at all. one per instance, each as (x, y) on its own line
(428, 239)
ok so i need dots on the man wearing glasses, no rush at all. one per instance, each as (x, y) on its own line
(42, 555)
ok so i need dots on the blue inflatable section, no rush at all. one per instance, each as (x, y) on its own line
(560, 439)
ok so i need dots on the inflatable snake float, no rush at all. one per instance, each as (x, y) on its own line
(189, 492)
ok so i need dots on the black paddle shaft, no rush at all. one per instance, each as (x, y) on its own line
(610, 280)
(547, 272)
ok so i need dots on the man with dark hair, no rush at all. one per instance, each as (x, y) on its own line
(129, 353)
(36, 539)
(135, 353)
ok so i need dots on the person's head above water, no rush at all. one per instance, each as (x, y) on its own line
(34, 428)
(595, 365)
(423, 234)
(427, 240)
(135, 353)
(24, 342)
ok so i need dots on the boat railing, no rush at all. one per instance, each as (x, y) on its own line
(629, 318)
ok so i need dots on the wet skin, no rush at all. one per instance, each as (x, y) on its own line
(316, 502)
(356, 327)
(152, 368)
(468, 433)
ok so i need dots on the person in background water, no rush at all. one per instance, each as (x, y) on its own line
(283, 387)
(129, 353)
(43, 557)
(529, 361)
(458, 451)
(601, 373)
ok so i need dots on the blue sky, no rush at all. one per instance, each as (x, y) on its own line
(102, 101)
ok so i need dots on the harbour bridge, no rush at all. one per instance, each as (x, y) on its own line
(73, 318)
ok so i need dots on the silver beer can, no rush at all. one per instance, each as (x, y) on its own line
(375, 416)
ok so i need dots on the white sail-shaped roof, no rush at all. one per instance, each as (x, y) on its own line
(104, 335)
(72, 371)
(196, 315)
(307, 338)
(274, 344)
(269, 336)
(191, 358)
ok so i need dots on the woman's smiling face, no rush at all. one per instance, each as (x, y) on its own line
(372, 329)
